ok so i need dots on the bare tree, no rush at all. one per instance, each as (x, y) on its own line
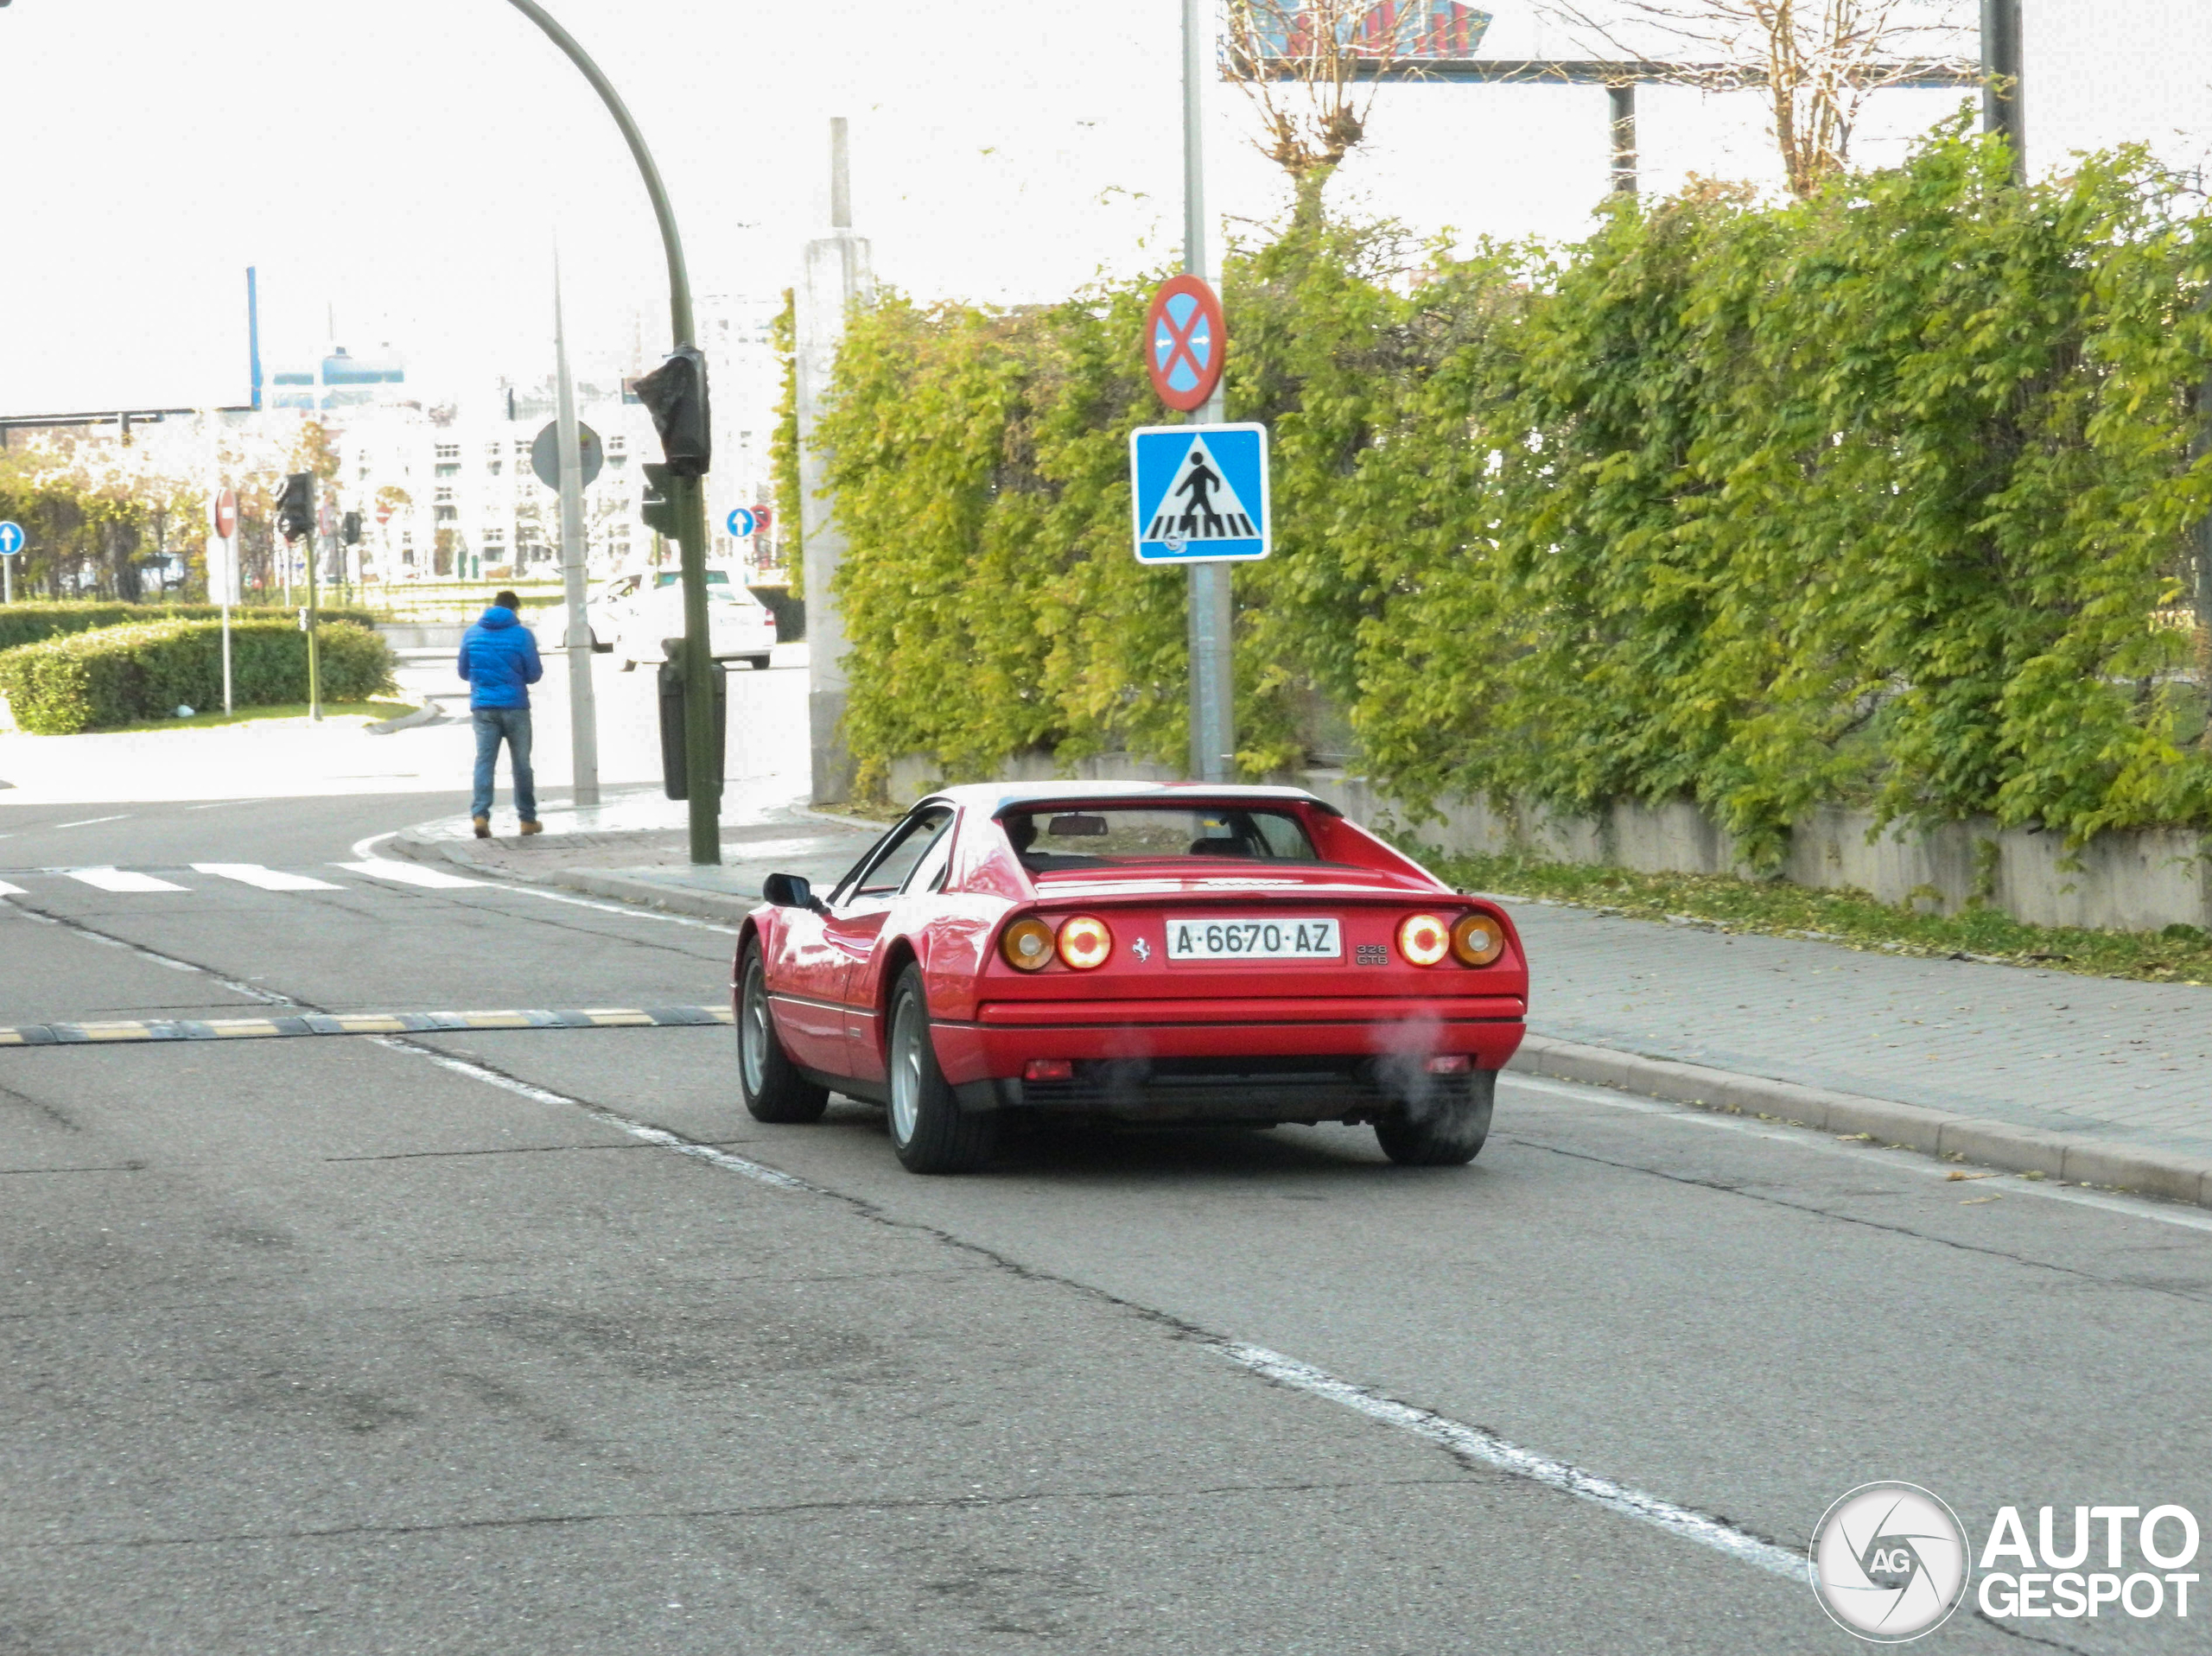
(1311, 68)
(1817, 60)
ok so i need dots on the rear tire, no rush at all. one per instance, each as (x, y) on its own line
(1448, 1129)
(771, 1085)
(930, 1130)
(760, 663)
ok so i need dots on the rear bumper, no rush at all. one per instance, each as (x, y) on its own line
(1284, 1060)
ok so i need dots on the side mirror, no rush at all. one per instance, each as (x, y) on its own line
(790, 891)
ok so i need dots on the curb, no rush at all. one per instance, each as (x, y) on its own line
(644, 894)
(2072, 1158)
(422, 715)
(2075, 1158)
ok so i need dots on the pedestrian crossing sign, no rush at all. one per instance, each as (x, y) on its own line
(1200, 493)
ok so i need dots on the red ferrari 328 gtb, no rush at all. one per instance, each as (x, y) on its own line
(1135, 952)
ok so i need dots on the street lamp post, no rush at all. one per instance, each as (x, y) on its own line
(702, 763)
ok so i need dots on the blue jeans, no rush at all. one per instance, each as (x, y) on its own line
(510, 725)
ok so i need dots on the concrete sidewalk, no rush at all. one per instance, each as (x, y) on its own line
(2090, 1079)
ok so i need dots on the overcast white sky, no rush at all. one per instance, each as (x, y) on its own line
(407, 164)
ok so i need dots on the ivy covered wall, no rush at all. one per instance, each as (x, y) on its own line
(1884, 497)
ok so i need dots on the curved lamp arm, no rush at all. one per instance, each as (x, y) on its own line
(679, 278)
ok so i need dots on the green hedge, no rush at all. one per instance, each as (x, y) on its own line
(1872, 498)
(121, 675)
(28, 623)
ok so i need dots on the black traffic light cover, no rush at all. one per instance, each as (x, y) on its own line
(351, 529)
(296, 506)
(657, 505)
(676, 395)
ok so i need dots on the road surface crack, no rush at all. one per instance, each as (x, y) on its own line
(777, 1509)
(1981, 1249)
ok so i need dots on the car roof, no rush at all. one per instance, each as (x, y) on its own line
(993, 797)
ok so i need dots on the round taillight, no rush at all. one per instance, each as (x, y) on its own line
(1027, 944)
(1477, 939)
(1423, 939)
(1085, 942)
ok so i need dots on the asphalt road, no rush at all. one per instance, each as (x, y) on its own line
(531, 1341)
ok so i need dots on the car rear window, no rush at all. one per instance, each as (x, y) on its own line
(669, 577)
(1049, 839)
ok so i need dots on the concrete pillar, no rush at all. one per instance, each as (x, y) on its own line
(837, 276)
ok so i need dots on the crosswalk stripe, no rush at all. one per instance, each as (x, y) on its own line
(267, 879)
(121, 879)
(408, 873)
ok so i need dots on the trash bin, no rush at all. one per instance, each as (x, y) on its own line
(675, 772)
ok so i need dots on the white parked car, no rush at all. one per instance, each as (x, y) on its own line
(605, 603)
(738, 623)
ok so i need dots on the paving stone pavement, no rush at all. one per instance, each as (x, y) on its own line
(2094, 1055)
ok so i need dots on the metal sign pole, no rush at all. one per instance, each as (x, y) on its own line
(230, 583)
(583, 712)
(1213, 703)
(2003, 102)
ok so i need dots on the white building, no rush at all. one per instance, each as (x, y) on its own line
(448, 494)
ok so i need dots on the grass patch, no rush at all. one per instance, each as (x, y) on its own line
(2180, 954)
(370, 710)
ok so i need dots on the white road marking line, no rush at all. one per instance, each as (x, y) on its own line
(1814, 1139)
(1473, 1443)
(267, 879)
(629, 911)
(120, 879)
(6, 890)
(641, 1130)
(408, 873)
(89, 820)
(365, 848)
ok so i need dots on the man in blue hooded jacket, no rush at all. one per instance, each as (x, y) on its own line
(498, 657)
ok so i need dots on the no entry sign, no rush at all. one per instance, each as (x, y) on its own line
(1186, 342)
(226, 514)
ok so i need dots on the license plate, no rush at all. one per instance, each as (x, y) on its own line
(1254, 940)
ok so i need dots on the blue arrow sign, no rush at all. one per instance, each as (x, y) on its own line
(1200, 493)
(740, 523)
(11, 539)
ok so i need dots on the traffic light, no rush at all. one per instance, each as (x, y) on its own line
(296, 506)
(351, 529)
(676, 395)
(657, 505)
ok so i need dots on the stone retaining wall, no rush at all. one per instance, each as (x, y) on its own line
(2130, 882)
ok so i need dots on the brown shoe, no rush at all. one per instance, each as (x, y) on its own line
(483, 827)
(533, 827)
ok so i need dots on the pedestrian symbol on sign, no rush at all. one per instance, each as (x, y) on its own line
(1200, 492)
(1210, 511)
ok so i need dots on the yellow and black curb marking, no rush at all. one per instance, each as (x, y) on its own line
(122, 1033)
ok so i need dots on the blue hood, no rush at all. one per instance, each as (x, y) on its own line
(499, 660)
